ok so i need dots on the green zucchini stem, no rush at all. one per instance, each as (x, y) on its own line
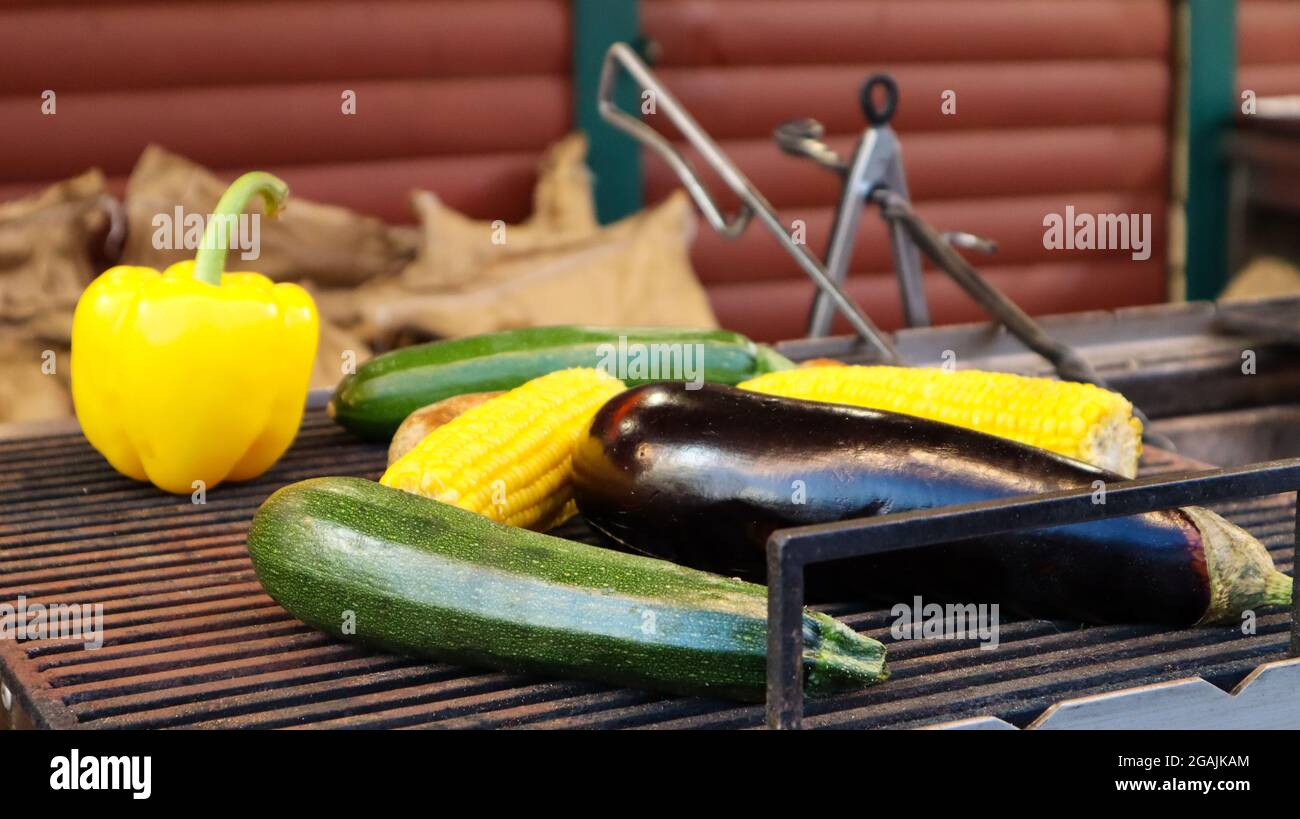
(838, 659)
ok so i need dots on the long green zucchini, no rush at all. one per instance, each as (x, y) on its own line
(418, 577)
(374, 400)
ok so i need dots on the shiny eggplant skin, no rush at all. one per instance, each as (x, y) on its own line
(703, 476)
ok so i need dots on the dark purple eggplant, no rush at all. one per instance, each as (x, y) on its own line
(703, 476)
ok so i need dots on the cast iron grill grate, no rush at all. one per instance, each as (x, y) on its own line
(190, 639)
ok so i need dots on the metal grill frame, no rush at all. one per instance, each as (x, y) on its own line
(791, 550)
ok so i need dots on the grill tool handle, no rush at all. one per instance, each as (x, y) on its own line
(753, 203)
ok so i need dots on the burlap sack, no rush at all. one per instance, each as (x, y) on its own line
(634, 272)
(1265, 277)
(562, 200)
(340, 349)
(48, 246)
(456, 251)
(327, 244)
(50, 249)
(33, 381)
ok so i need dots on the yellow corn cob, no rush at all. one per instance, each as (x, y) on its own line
(1080, 421)
(510, 458)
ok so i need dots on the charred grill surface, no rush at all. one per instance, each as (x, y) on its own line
(190, 639)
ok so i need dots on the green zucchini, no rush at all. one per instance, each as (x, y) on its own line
(418, 577)
(373, 401)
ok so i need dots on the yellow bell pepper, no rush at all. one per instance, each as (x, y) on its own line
(194, 374)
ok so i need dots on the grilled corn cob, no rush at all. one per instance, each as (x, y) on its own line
(1080, 421)
(510, 458)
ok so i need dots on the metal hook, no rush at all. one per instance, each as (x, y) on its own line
(804, 138)
(879, 116)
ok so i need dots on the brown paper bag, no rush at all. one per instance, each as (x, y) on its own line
(47, 251)
(456, 251)
(33, 382)
(50, 245)
(635, 272)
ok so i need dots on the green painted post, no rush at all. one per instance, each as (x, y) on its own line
(614, 158)
(1211, 107)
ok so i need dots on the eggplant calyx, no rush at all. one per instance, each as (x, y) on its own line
(836, 658)
(1242, 575)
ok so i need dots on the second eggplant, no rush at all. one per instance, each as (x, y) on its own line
(703, 476)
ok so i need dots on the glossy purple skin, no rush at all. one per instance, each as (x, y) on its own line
(703, 476)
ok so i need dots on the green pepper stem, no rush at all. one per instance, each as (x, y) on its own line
(218, 236)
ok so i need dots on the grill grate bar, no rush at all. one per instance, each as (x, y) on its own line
(137, 597)
(579, 707)
(380, 709)
(504, 689)
(185, 705)
(74, 590)
(312, 443)
(39, 505)
(204, 634)
(37, 449)
(299, 652)
(222, 548)
(70, 559)
(177, 621)
(178, 661)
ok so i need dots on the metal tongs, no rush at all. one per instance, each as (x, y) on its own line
(753, 202)
(873, 174)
